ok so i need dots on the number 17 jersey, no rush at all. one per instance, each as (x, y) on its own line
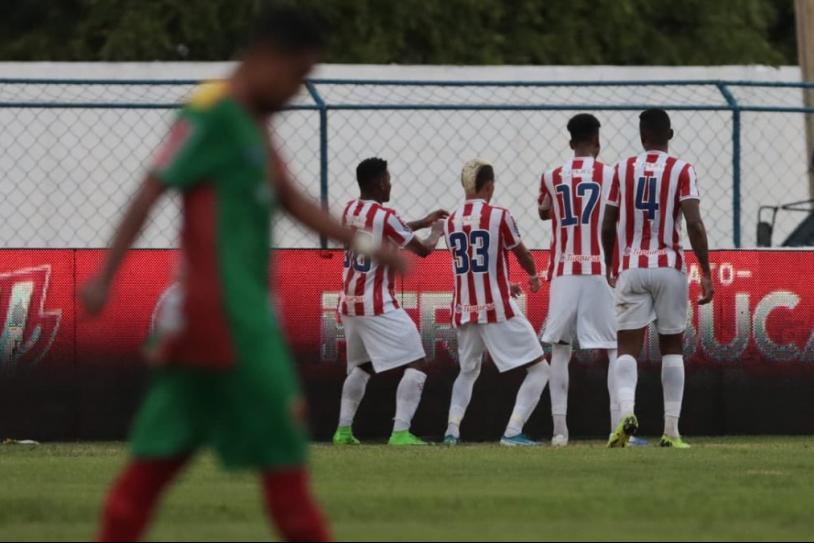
(479, 236)
(576, 194)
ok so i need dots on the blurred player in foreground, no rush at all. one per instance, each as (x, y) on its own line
(581, 304)
(649, 194)
(479, 237)
(379, 334)
(224, 376)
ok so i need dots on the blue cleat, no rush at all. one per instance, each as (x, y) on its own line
(451, 440)
(637, 442)
(520, 440)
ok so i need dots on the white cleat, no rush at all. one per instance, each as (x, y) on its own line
(559, 441)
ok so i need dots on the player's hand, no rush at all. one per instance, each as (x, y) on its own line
(611, 279)
(435, 216)
(707, 291)
(515, 290)
(94, 295)
(534, 283)
(438, 228)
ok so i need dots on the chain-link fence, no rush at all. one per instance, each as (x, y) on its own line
(71, 152)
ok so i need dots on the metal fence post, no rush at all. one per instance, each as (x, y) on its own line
(736, 163)
(323, 152)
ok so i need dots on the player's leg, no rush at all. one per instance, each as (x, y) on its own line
(353, 389)
(291, 505)
(615, 410)
(470, 358)
(560, 360)
(392, 341)
(512, 345)
(560, 332)
(634, 311)
(170, 425)
(408, 396)
(131, 501)
(671, 298)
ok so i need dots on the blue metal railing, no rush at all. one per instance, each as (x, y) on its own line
(729, 102)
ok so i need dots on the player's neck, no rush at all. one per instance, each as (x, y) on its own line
(664, 148)
(239, 92)
(583, 153)
(371, 197)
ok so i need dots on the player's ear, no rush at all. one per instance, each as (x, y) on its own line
(571, 144)
(670, 135)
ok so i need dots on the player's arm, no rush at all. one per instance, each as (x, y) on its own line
(609, 238)
(697, 232)
(526, 261)
(95, 292)
(425, 246)
(429, 220)
(544, 209)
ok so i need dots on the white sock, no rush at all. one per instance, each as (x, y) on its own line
(625, 378)
(672, 383)
(614, 401)
(560, 358)
(352, 393)
(408, 395)
(461, 395)
(528, 396)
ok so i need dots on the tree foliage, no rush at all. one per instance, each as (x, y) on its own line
(648, 32)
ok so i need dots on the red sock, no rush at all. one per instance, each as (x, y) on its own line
(132, 498)
(292, 508)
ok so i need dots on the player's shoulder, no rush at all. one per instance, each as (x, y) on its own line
(504, 210)
(207, 96)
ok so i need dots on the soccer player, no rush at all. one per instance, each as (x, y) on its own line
(649, 195)
(223, 376)
(479, 237)
(380, 336)
(581, 304)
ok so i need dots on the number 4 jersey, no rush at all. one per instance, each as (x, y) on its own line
(576, 194)
(367, 286)
(479, 236)
(649, 189)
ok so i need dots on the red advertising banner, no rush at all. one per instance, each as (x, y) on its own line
(763, 312)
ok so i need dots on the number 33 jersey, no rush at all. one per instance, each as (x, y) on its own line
(479, 237)
(648, 190)
(575, 194)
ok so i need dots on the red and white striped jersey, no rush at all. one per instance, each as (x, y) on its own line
(579, 190)
(649, 189)
(479, 236)
(368, 286)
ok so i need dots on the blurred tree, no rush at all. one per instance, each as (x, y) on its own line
(654, 32)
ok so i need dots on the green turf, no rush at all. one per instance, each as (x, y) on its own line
(744, 488)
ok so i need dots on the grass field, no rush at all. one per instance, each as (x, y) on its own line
(744, 488)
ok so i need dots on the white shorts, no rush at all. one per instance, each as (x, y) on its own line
(645, 295)
(388, 341)
(581, 308)
(511, 343)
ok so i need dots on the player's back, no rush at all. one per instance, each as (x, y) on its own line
(479, 237)
(648, 189)
(368, 285)
(577, 191)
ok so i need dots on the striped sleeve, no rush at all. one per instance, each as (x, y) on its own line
(509, 233)
(688, 185)
(396, 230)
(613, 195)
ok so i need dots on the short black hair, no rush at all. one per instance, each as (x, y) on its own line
(583, 127)
(369, 171)
(288, 29)
(485, 174)
(654, 123)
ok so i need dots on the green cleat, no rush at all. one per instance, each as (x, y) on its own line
(405, 439)
(344, 436)
(627, 427)
(673, 443)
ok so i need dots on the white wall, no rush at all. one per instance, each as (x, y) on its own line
(66, 173)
